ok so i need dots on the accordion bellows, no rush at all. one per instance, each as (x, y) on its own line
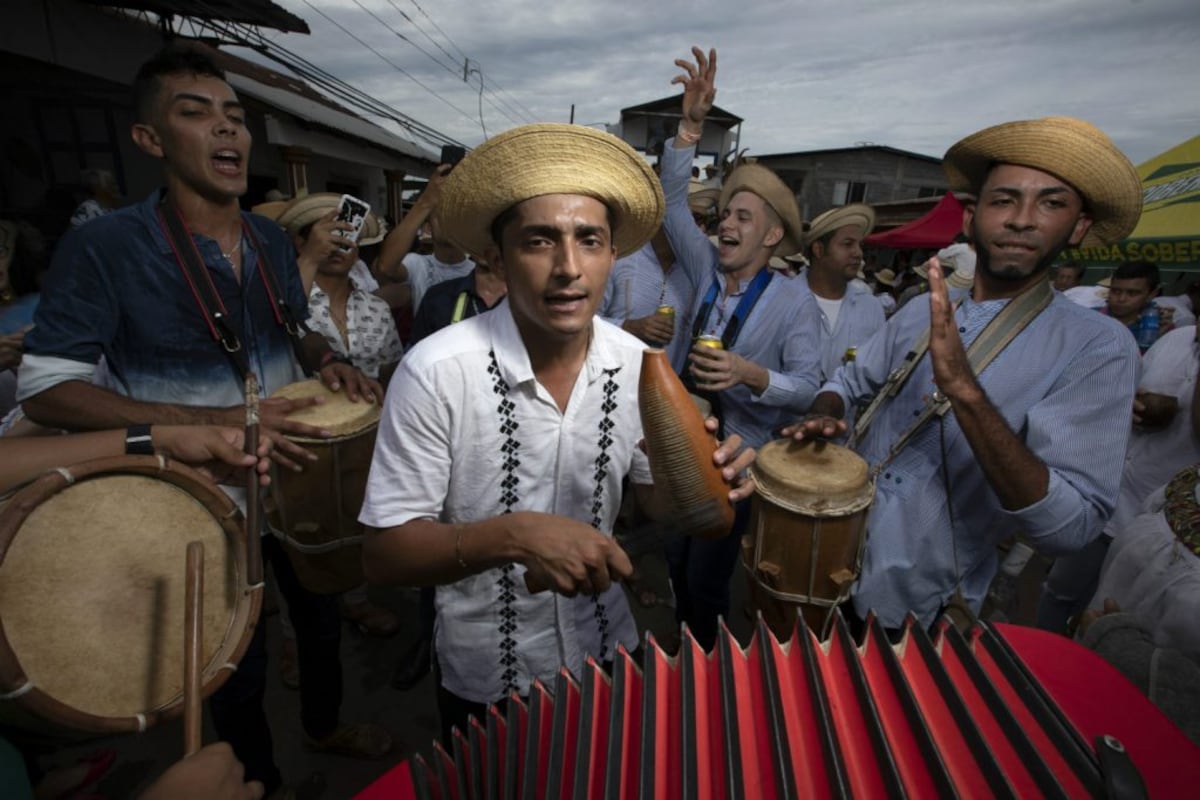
(956, 715)
(681, 450)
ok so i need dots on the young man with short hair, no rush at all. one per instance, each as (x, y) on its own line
(1131, 293)
(505, 438)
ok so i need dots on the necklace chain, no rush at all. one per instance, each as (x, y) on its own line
(229, 256)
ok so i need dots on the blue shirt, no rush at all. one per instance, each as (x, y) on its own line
(1065, 385)
(116, 291)
(781, 335)
(638, 286)
(859, 317)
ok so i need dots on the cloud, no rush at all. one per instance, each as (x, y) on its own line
(913, 74)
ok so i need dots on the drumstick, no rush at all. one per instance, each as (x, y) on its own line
(254, 566)
(192, 641)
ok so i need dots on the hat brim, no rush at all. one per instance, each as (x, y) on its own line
(551, 158)
(1070, 149)
(759, 180)
(858, 215)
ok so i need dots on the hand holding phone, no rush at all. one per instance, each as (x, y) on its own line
(353, 212)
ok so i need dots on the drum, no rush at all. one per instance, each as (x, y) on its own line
(92, 588)
(807, 530)
(315, 512)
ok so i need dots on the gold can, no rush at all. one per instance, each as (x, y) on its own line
(713, 342)
(851, 354)
(665, 311)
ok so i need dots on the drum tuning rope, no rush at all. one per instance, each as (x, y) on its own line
(254, 567)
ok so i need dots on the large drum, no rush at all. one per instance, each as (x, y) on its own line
(807, 530)
(92, 586)
(315, 512)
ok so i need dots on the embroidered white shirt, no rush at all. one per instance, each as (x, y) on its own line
(374, 342)
(468, 434)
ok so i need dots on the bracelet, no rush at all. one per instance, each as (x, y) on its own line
(686, 137)
(458, 546)
(138, 441)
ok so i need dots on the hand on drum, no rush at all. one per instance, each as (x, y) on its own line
(218, 452)
(568, 556)
(358, 386)
(273, 418)
(815, 426)
(213, 773)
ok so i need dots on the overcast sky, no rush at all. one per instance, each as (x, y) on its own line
(806, 74)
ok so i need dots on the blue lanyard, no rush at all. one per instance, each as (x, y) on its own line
(753, 292)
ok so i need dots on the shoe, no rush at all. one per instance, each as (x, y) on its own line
(289, 665)
(413, 666)
(356, 740)
(371, 619)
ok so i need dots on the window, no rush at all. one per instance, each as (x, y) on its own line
(849, 192)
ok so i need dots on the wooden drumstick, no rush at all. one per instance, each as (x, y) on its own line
(192, 645)
(254, 565)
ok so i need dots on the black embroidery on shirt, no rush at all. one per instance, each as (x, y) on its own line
(600, 471)
(508, 498)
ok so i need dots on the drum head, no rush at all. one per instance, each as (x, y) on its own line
(812, 477)
(337, 414)
(92, 592)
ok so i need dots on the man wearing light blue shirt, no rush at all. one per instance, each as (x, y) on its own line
(850, 314)
(1033, 443)
(768, 368)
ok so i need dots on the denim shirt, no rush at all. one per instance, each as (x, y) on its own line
(115, 291)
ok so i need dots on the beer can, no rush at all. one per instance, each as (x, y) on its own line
(665, 311)
(851, 354)
(713, 342)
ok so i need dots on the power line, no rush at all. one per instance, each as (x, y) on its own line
(439, 30)
(453, 58)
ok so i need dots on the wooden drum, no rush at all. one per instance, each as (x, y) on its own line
(315, 512)
(807, 531)
(92, 587)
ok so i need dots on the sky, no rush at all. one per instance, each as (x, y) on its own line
(806, 74)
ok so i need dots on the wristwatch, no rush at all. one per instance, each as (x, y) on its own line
(137, 441)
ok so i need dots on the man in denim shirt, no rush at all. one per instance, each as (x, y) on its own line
(117, 292)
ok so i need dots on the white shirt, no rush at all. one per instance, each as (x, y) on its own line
(1153, 457)
(829, 310)
(468, 434)
(425, 271)
(374, 342)
(360, 273)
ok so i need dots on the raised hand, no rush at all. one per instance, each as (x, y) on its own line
(951, 369)
(699, 86)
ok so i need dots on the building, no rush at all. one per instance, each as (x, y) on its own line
(869, 173)
(65, 72)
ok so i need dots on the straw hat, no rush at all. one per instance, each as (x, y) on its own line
(551, 158)
(761, 181)
(308, 208)
(702, 198)
(1073, 150)
(860, 215)
(886, 276)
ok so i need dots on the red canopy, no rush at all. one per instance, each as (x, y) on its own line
(933, 231)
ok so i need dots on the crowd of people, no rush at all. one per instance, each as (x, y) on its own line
(990, 406)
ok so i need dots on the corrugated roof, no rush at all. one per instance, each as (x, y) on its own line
(263, 13)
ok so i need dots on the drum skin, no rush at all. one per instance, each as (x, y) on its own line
(315, 511)
(681, 450)
(92, 583)
(807, 530)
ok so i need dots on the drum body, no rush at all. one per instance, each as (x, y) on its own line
(92, 585)
(315, 512)
(807, 530)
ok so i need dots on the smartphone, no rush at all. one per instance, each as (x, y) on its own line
(452, 154)
(353, 211)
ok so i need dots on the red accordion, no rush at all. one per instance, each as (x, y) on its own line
(955, 715)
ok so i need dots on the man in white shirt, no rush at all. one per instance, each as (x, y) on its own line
(505, 438)
(849, 313)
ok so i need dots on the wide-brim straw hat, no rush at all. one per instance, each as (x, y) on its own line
(308, 208)
(886, 276)
(551, 158)
(1068, 148)
(761, 181)
(858, 215)
(702, 198)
